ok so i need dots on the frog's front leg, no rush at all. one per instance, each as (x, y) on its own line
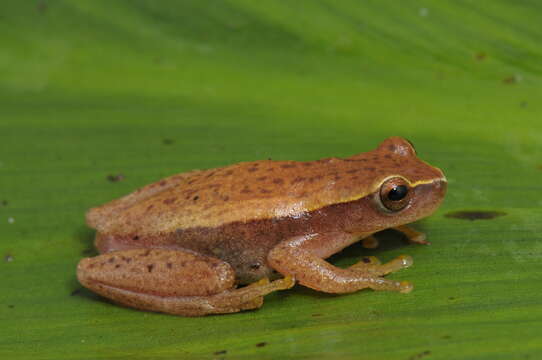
(172, 281)
(303, 258)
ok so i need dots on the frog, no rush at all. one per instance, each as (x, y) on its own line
(217, 241)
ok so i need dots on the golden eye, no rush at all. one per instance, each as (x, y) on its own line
(395, 194)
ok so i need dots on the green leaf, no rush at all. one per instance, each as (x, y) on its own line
(100, 97)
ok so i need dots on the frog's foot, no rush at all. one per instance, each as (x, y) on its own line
(371, 266)
(172, 281)
(370, 242)
(297, 257)
(413, 236)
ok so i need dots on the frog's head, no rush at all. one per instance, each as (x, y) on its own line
(404, 188)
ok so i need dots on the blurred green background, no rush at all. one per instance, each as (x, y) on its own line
(100, 97)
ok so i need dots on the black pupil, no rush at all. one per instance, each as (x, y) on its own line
(398, 193)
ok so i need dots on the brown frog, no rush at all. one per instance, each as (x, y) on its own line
(183, 244)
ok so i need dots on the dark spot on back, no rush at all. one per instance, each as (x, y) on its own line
(261, 178)
(169, 265)
(246, 190)
(307, 164)
(135, 237)
(228, 173)
(316, 178)
(192, 181)
(252, 169)
(369, 169)
(352, 171)
(169, 201)
(474, 215)
(387, 156)
(225, 198)
(287, 166)
(195, 198)
(111, 260)
(163, 182)
(271, 169)
(265, 191)
(278, 181)
(150, 207)
(150, 267)
(298, 179)
(117, 266)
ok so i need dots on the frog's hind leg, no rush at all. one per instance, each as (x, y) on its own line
(172, 281)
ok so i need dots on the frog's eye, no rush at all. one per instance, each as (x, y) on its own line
(395, 194)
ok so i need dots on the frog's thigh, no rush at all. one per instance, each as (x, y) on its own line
(302, 258)
(171, 281)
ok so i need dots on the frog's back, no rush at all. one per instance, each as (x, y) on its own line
(249, 191)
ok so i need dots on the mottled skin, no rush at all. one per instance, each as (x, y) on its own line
(180, 245)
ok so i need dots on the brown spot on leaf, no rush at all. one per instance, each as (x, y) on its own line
(168, 141)
(115, 178)
(480, 56)
(220, 352)
(510, 80)
(475, 215)
(42, 7)
(261, 344)
(420, 355)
